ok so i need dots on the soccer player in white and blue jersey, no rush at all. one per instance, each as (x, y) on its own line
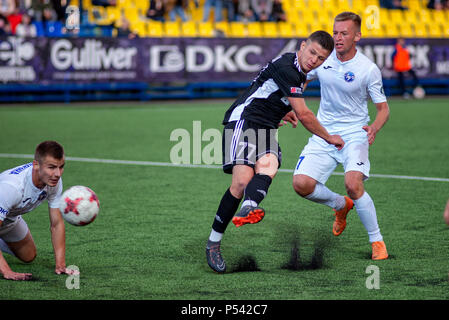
(22, 189)
(347, 80)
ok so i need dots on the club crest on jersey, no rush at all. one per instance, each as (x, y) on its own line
(349, 76)
(295, 90)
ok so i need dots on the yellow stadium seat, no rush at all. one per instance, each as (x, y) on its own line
(435, 30)
(410, 16)
(270, 29)
(405, 30)
(414, 5)
(254, 29)
(392, 30)
(396, 16)
(306, 17)
(301, 30)
(342, 5)
(131, 13)
(142, 5)
(323, 16)
(300, 4)
(222, 26)
(154, 28)
(420, 30)
(237, 29)
(439, 16)
(384, 16)
(358, 6)
(445, 28)
(205, 29)
(328, 4)
(171, 29)
(139, 27)
(370, 2)
(376, 32)
(286, 30)
(424, 16)
(188, 29)
(287, 5)
(313, 5)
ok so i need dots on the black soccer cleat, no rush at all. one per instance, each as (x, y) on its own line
(214, 258)
(248, 214)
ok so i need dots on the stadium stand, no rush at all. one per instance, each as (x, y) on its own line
(415, 21)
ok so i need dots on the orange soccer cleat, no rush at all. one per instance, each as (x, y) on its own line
(340, 217)
(248, 214)
(379, 251)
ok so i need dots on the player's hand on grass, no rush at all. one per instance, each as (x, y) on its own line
(64, 270)
(337, 141)
(11, 275)
(371, 132)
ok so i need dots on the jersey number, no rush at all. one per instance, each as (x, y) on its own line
(251, 149)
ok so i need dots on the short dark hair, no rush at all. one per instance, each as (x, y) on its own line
(347, 15)
(48, 148)
(323, 38)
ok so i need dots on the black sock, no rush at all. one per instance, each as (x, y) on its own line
(257, 189)
(226, 210)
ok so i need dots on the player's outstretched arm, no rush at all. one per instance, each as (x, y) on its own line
(383, 113)
(57, 228)
(311, 123)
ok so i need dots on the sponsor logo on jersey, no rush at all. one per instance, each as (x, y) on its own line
(3, 211)
(20, 169)
(349, 76)
(42, 196)
(295, 90)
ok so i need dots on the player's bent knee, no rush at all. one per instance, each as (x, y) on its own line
(355, 190)
(303, 185)
(268, 165)
(29, 258)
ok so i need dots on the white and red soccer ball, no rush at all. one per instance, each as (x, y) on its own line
(79, 205)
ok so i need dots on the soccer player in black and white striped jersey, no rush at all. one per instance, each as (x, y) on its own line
(250, 149)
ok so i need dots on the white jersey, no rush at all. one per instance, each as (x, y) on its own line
(18, 194)
(345, 87)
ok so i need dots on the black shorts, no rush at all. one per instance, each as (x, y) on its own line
(244, 142)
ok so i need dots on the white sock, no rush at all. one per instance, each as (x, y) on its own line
(215, 236)
(250, 203)
(4, 248)
(324, 195)
(367, 214)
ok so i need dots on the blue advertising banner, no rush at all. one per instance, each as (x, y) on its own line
(159, 60)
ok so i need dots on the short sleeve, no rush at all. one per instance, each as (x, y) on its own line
(375, 86)
(55, 195)
(9, 198)
(289, 82)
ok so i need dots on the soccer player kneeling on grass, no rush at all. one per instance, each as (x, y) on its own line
(22, 189)
(250, 150)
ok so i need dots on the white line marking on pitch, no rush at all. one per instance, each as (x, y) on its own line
(168, 164)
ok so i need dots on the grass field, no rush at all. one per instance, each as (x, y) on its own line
(148, 241)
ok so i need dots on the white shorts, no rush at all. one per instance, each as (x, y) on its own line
(15, 231)
(319, 159)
